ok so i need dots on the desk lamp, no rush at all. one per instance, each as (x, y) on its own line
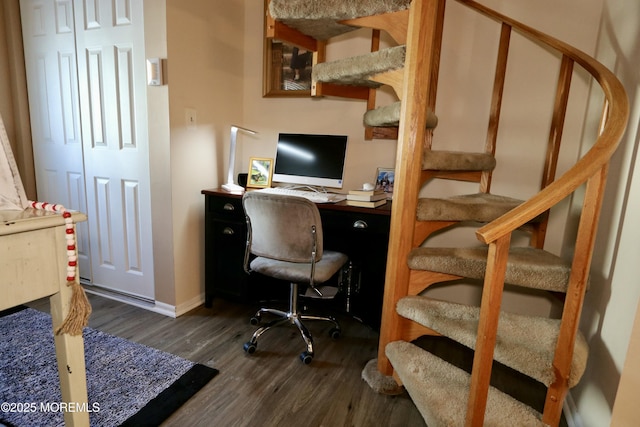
(231, 186)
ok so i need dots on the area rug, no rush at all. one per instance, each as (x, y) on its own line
(128, 383)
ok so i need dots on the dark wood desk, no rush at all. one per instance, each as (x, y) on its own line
(361, 233)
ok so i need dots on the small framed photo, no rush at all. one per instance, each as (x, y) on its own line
(260, 172)
(384, 180)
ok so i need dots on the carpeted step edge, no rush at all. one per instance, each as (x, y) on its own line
(527, 267)
(357, 70)
(457, 161)
(477, 207)
(440, 390)
(320, 19)
(524, 343)
(389, 116)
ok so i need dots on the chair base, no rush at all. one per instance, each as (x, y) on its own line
(295, 318)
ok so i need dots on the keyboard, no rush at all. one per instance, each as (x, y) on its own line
(314, 196)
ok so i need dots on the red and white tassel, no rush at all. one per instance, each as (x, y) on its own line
(79, 307)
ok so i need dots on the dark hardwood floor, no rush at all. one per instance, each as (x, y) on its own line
(271, 387)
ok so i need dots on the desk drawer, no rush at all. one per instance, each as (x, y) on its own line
(225, 208)
(357, 222)
(224, 260)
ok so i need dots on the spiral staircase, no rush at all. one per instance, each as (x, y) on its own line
(552, 351)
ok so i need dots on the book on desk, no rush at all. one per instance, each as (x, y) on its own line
(366, 198)
(366, 204)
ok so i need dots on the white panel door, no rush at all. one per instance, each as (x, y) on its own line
(50, 59)
(111, 75)
(107, 37)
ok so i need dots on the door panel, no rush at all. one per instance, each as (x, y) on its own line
(50, 61)
(87, 93)
(111, 73)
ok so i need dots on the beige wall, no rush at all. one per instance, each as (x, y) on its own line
(13, 93)
(160, 156)
(612, 302)
(205, 64)
(625, 409)
(6, 106)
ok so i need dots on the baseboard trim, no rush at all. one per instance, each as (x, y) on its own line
(570, 411)
(155, 306)
(189, 305)
(166, 309)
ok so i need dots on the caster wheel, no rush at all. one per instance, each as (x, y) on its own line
(306, 357)
(250, 347)
(335, 333)
(254, 320)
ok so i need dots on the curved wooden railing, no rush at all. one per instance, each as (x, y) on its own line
(615, 123)
(590, 169)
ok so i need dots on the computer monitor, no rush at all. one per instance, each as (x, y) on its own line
(314, 160)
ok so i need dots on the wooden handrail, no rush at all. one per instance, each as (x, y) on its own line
(592, 162)
(590, 169)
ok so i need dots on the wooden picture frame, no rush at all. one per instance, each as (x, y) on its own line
(260, 172)
(385, 178)
(287, 70)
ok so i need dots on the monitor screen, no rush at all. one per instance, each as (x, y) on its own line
(305, 159)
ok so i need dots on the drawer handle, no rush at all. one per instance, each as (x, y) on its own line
(360, 224)
(229, 207)
(228, 231)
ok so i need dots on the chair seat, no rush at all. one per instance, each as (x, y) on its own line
(300, 272)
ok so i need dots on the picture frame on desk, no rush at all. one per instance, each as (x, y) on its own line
(385, 178)
(260, 172)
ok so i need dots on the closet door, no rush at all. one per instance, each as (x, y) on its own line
(112, 86)
(50, 59)
(110, 120)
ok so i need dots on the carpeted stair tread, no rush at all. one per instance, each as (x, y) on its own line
(526, 266)
(389, 116)
(478, 207)
(524, 343)
(320, 19)
(440, 391)
(357, 70)
(457, 161)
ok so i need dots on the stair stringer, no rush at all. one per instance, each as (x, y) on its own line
(422, 55)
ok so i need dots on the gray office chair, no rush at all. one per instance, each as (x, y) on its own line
(285, 236)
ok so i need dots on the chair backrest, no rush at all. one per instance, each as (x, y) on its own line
(281, 227)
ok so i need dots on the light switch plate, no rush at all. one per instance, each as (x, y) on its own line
(154, 72)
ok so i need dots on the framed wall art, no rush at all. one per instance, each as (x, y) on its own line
(287, 70)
